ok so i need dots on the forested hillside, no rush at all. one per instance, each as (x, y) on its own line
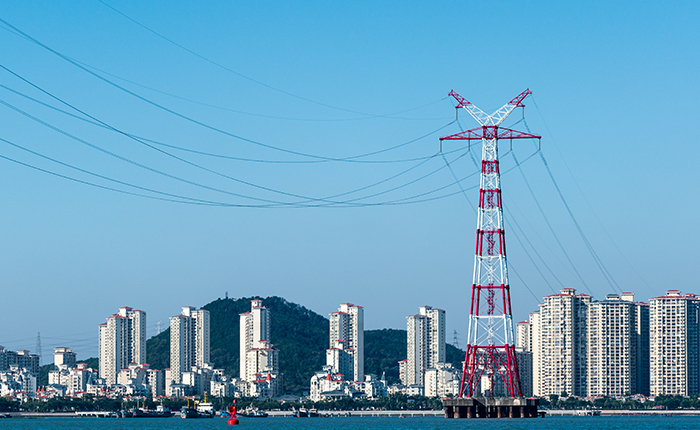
(300, 334)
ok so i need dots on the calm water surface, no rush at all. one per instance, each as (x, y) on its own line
(356, 423)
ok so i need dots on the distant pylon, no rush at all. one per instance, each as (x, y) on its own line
(38, 347)
(455, 340)
(159, 327)
(490, 353)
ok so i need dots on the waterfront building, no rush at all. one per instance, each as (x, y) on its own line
(674, 343)
(122, 340)
(341, 360)
(425, 341)
(18, 382)
(222, 385)
(525, 371)
(585, 348)
(64, 358)
(189, 342)
(525, 356)
(347, 325)
(156, 382)
(442, 380)
(403, 364)
(616, 346)
(523, 336)
(563, 356)
(326, 385)
(21, 359)
(74, 380)
(134, 379)
(259, 360)
(534, 347)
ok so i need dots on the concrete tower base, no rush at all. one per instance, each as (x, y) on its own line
(499, 407)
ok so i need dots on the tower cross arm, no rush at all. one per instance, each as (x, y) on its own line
(490, 132)
(480, 116)
(501, 114)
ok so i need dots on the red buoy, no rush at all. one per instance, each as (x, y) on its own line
(232, 419)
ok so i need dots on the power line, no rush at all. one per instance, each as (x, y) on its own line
(601, 266)
(304, 201)
(549, 225)
(247, 77)
(387, 116)
(130, 161)
(184, 199)
(604, 270)
(352, 159)
(589, 204)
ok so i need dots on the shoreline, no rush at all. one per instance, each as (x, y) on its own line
(388, 414)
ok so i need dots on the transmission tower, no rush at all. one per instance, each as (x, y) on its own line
(455, 340)
(159, 327)
(490, 357)
(38, 347)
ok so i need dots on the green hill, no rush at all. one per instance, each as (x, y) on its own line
(300, 334)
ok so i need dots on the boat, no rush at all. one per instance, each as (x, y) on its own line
(200, 410)
(305, 413)
(159, 412)
(252, 413)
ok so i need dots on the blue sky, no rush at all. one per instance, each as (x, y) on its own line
(614, 96)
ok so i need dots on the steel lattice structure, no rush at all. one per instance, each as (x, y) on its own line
(490, 354)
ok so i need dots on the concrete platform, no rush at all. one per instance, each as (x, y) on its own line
(498, 407)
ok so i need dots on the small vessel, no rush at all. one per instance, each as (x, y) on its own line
(150, 413)
(200, 410)
(142, 412)
(300, 413)
(304, 413)
(250, 412)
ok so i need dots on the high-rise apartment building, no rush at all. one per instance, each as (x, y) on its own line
(524, 355)
(348, 325)
(64, 358)
(425, 333)
(340, 360)
(674, 343)
(617, 350)
(586, 348)
(259, 360)
(122, 341)
(189, 341)
(562, 360)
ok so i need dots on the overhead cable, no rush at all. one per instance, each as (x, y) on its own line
(549, 225)
(221, 66)
(624, 257)
(353, 159)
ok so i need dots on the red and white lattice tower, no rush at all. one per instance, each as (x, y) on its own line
(490, 355)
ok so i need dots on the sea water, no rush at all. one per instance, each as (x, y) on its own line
(359, 423)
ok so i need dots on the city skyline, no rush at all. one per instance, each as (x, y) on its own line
(594, 70)
(572, 345)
